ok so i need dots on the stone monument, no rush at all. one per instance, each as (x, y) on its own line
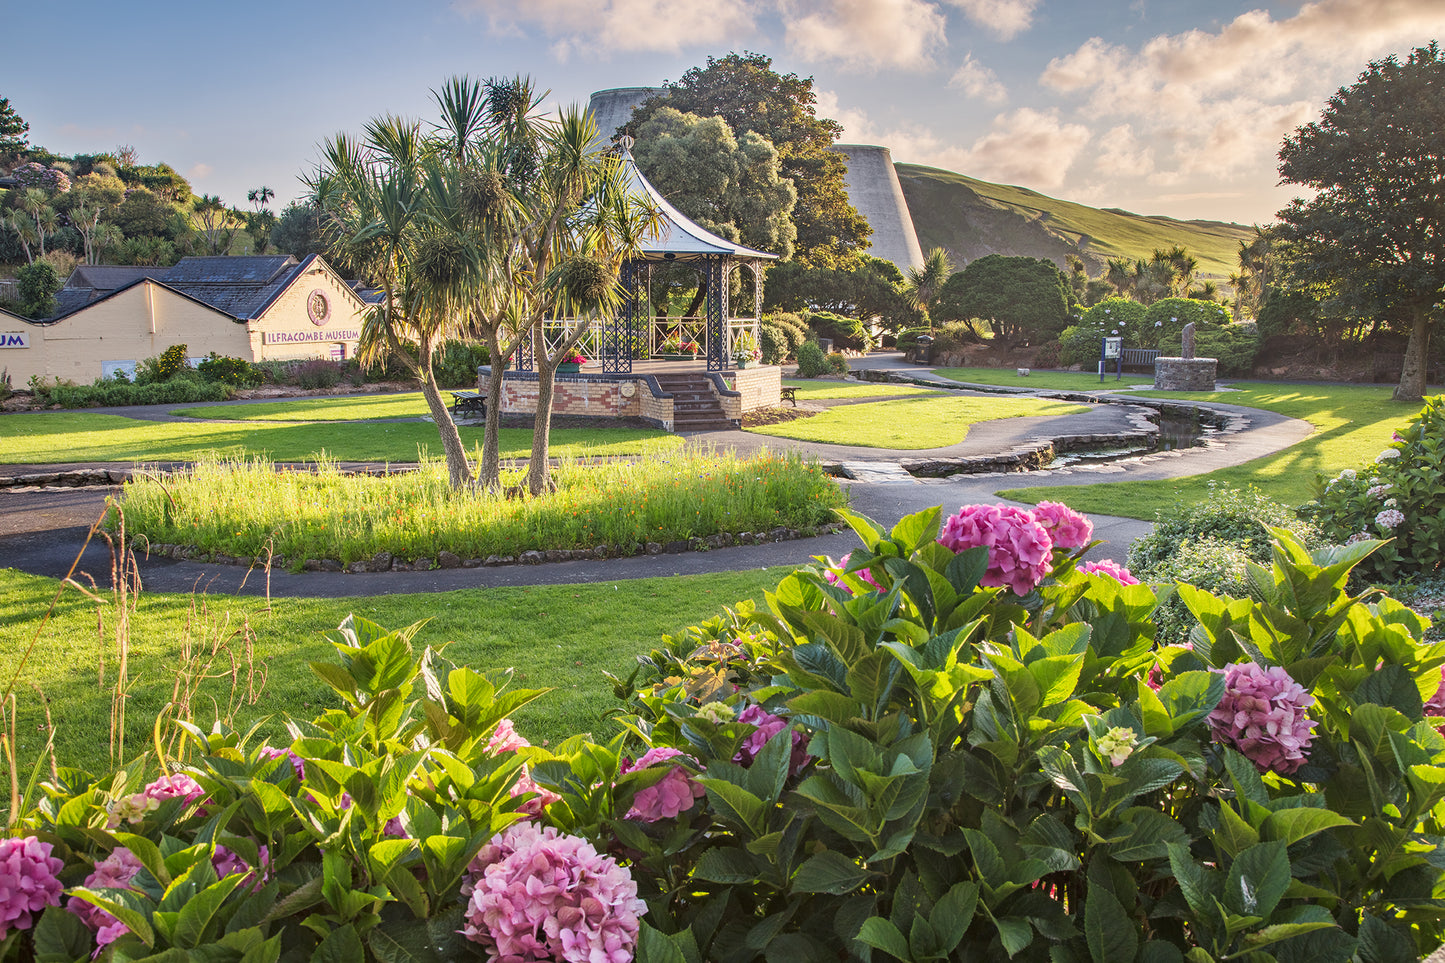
(1185, 373)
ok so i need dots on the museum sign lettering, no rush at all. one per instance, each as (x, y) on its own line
(14, 339)
(300, 337)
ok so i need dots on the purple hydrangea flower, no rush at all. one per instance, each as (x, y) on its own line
(297, 765)
(1262, 715)
(1067, 528)
(1111, 568)
(1019, 548)
(534, 895)
(114, 872)
(27, 881)
(228, 863)
(769, 725)
(675, 794)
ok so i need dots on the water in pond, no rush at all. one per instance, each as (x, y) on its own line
(1178, 428)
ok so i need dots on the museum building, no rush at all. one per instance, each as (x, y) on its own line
(261, 308)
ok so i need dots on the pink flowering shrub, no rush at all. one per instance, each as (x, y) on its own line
(675, 794)
(1111, 568)
(536, 895)
(769, 725)
(505, 738)
(842, 563)
(177, 786)
(1262, 715)
(114, 872)
(27, 881)
(1067, 528)
(1019, 548)
(297, 765)
(228, 863)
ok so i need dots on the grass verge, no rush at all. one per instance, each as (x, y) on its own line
(408, 404)
(911, 423)
(236, 508)
(809, 389)
(55, 437)
(1352, 423)
(1049, 380)
(559, 636)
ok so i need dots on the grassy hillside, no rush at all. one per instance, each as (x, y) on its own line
(972, 218)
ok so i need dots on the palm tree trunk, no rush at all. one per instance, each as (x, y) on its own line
(489, 472)
(1412, 375)
(539, 476)
(459, 470)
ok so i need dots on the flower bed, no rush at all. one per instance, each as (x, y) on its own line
(955, 744)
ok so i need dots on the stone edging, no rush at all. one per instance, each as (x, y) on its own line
(386, 562)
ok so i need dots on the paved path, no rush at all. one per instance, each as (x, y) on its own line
(42, 531)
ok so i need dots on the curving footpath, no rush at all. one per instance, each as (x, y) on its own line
(42, 528)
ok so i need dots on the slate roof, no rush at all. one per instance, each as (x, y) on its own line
(240, 286)
(679, 237)
(103, 278)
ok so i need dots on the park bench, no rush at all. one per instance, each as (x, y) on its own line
(789, 394)
(1139, 359)
(468, 404)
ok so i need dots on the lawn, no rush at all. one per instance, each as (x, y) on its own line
(63, 436)
(1352, 424)
(819, 390)
(558, 636)
(911, 423)
(408, 404)
(1044, 380)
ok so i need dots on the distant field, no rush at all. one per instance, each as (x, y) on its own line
(973, 218)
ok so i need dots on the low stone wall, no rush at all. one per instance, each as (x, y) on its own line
(1185, 374)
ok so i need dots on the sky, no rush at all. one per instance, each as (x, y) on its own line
(1154, 106)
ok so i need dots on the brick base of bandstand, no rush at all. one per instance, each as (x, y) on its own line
(1185, 374)
(637, 394)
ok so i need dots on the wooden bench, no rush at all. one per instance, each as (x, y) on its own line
(1139, 358)
(789, 394)
(468, 404)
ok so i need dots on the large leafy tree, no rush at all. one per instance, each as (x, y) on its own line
(1023, 298)
(749, 95)
(1376, 223)
(13, 130)
(869, 289)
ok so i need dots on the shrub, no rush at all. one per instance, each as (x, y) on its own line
(908, 338)
(35, 286)
(812, 363)
(837, 363)
(455, 363)
(1164, 320)
(1113, 317)
(318, 373)
(172, 362)
(1234, 345)
(1208, 545)
(935, 769)
(773, 343)
(954, 336)
(1399, 496)
(230, 371)
(111, 393)
(844, 332)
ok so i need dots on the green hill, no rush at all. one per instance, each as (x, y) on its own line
(971, 218)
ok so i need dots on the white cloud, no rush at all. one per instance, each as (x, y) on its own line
(1005, 18)
(870, 33)
(976, 80)
(1027, 146)
(199, 172)
(599, 28)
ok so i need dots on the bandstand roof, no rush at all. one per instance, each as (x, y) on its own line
(679, 238)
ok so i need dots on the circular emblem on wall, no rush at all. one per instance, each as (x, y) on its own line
(318, 309)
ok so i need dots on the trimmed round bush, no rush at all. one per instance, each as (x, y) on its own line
(812, 363)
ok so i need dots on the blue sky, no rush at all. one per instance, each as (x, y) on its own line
(1155, 106)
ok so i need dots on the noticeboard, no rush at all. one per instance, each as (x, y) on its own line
(1112, 347)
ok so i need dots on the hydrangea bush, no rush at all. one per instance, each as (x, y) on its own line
(990, 775)
(1398, 495)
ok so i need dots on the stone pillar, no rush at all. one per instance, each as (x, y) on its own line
(1185, 374)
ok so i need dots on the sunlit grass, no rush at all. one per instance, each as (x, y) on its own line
(239, 508)
(1352, 424)
(911, 423)
(1043, 380)
(409, 404)
(64, 436)
(809, 389)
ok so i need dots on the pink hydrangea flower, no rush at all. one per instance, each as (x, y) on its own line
(228, 863)
(27, 881)
(505, 738)
(297, 765)
(178, 786)
(675, 794)
(536, 895)
(1018, 546)
(1435, 705)
(1111, 568)
(769, 725)
(1262, 715)
(842, 563)
(1067, 528)
(114, 872)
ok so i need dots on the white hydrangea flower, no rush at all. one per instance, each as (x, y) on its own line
(1387, 454)
(1390, 518)
(1391, 503)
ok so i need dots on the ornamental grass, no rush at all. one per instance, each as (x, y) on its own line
(250, 508)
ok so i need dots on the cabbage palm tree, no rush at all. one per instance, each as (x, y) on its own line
(923, 284)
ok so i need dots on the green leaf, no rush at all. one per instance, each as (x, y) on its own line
(1257, 879)
(868, 530)
(919, 528)
(1158, 951)
(1292, 825)
(1015, 934)
(193, 926)
(1195, 882)
(727, 865)
(62, 938)
(953, 913)
(883, 935)
(132, 918)
(1191, 696)
(654, 946)
(735, 803)
(966, 569)
(341, 945)
(1112, 936)
(829, 872)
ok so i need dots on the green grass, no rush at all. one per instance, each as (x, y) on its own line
(811, 390)
(236, 508)
(61, 436)
(1352, 424)
(911, 423)
(367, 408)
(1044, 380)
(558, 636)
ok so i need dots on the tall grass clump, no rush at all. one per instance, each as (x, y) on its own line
(240, 508)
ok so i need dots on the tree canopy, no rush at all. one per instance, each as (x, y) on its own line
(1376, 224)
(871, 288)
(729, 185)
(749, 95)
(1022, 297)
(13, 129)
